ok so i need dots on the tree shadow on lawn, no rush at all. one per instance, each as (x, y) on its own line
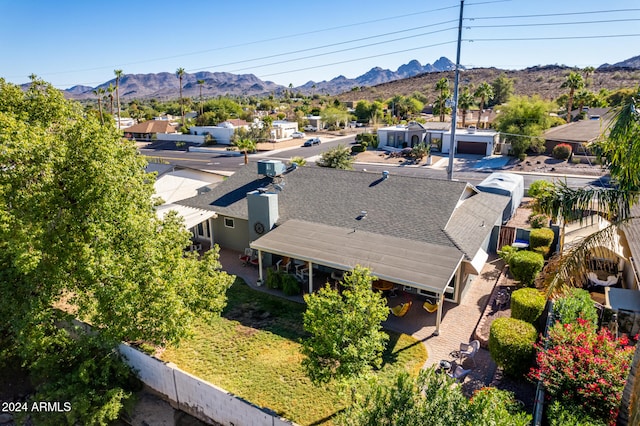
(263, 311)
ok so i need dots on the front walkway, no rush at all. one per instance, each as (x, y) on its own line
(458, 321)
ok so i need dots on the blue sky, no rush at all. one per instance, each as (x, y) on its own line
(82, 42)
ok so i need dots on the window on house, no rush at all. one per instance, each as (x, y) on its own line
(229, 223)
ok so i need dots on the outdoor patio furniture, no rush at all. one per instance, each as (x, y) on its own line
(469, 350)
(246, 257)
(382, 285)
(401, 309)
(611, 280)
(430, 307)
(283, 265)
(459, 373)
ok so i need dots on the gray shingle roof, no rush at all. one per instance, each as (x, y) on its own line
(400, 206)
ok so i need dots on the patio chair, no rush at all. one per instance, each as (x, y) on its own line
(246, 257)
(459, 373)
(430, 307)
(283, 265)
(469, 350)
(401, 309)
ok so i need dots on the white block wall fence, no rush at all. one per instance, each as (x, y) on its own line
(197, 397)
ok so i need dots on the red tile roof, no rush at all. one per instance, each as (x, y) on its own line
(151, 126)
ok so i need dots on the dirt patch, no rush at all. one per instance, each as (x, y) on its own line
(548, 164)
(383, 157)
(250, 317)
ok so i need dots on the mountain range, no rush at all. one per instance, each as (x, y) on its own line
(165, 85)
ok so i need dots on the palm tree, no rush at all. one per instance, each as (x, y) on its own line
(246, 145)
(201, 83)
(573, 82)
(586, 72)
(110, 91)
(465, 100)
(443, 86)
(118, 74)
(180, 74)
(620, 152)
(484, 92)
(99, 92)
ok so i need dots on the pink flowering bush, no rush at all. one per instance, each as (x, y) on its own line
(583, 367)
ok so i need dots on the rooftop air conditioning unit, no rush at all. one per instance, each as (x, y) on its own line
(271, 168)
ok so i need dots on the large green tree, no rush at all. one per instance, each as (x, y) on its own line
(346, 338)
(77, 224)
(118, 74)
(523, 121)
(465, 101)
(180, 75)
(245, 145)
(442, 86)
(502, 89)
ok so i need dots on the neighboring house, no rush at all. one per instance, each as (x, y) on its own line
(148, 130)
(401, 136)
(430, 237)
(125, 122)
(178, 184)
(236, 123)
(282, 129)
(315, 121)
(578, 134)
(222, 133)
(471, 141)
(438, 135)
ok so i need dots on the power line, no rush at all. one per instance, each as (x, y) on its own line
(315, 55)
(545, 15)
(546, 24)
(553, 38)
(357, 59)
(332, 45)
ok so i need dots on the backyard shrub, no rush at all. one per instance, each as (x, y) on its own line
(274, 279)
(570, 414)
(357, 148)
(525, 266)
(527, 304)
(538, 221)
(577, 303)
(368, 139)
(290, 286)
(541, 237)
(577, 364)
(506, 252)
(511, 344)
(561, 151)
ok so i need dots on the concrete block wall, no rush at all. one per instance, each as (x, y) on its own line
(195, 396)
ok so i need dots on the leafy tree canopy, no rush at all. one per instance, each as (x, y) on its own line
(78, 226)
(337, 158)
(346, 332)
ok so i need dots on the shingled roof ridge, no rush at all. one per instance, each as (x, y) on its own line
(456, 245)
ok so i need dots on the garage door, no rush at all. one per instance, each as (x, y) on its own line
(472, 148)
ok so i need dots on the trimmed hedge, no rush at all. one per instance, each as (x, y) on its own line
(561, 151)
(358, 148)
(538, 221)
(577, 303)
(525, 266)
(541, 237)
(527, 304)
(511, 345)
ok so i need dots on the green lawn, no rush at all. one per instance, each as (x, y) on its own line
(253, 351)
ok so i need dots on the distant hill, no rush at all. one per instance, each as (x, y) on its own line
(165, 85)
(375, 83)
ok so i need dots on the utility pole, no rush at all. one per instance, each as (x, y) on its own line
(454, 107)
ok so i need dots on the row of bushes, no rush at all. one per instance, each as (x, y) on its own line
(282, 281)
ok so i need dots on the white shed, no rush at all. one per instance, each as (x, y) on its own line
(508, 184)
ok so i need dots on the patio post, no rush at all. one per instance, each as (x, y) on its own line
(439, 314)
(210, 225)
(310, 277)
(260, 281)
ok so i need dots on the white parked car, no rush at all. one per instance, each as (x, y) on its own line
(297, 135)
(310, 128)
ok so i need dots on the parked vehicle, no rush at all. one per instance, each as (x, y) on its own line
(310, 128)
(312, 141)
(297, 135)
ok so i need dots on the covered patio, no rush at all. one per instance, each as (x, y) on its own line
(425, 267)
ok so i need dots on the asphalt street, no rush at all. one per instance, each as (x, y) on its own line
(227, 162)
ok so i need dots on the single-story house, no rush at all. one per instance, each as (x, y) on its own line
(221, 133)
(471, 141)
(282, 129)
(315, 121)
(236, 123)
(401, 136)
(429, 237)
(148, 129)
(578, 134)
